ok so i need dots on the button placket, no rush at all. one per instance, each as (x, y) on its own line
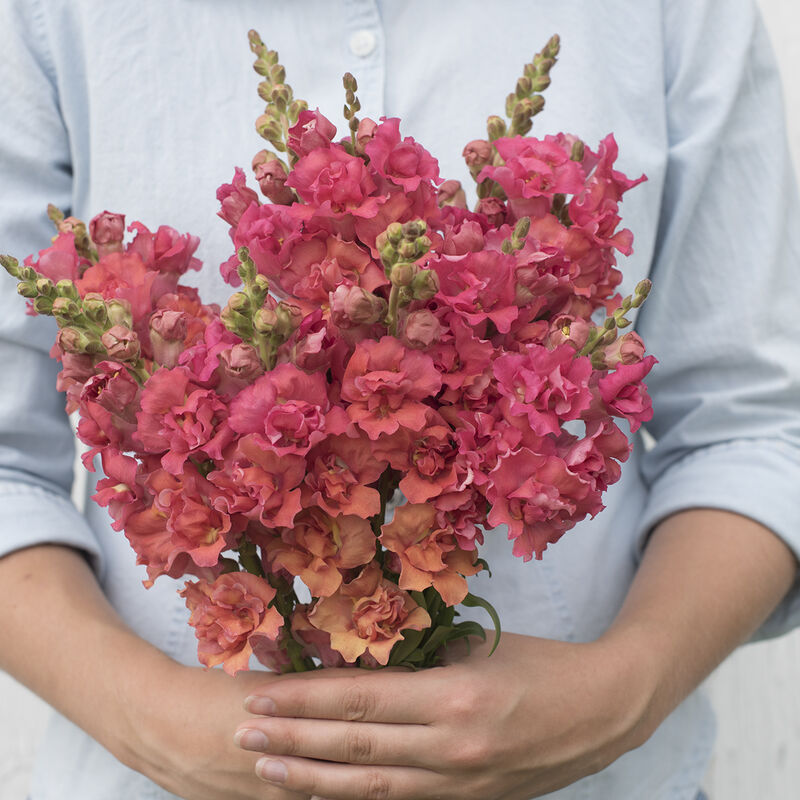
(365, 44)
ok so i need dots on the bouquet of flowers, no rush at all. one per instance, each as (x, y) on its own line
(394, 375)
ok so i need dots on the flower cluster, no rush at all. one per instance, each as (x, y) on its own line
(384, 342)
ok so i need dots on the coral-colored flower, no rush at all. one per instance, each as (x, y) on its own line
(260, 484)
(401, 161)
(235, 198)
(431, 464)
(287, 410)
(340, 471)
(319, 546)
(429, 555)
(165, 251)
(312, 131)
(368, 616)
(60, 261)
(230, 616)
(535, 167)
(537, 497)
(180, 419)
(546, 386)
(385, 384)
(335, 181)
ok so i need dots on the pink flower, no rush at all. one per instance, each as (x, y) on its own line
(287, 410)
(271, 176)
(627, 349)
(367, 616)
(537, 497)
(335, 181)
(312, 131)
(535, 167)
(230, 616)
(385, 384)
(166, 250)
(403, 162)
(429, 555)
(121, 343)
(421, 329)
(546, 386)
(478, 287)
(320, 546)
(181, 420)
(107, 231)
(595, 457)
(431, 469)
(120, 490)
(235, 198)
(625, 394)
(60, 261)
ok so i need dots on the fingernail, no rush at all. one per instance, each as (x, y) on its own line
(272, 771)
(251, 739)
(259, 705)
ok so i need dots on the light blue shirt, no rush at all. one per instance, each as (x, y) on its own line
(145, 107)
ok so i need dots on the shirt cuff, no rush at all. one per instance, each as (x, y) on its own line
(30, 515)
(757, 478)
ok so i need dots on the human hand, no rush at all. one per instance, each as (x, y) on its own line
(536, 716)
(184, 731)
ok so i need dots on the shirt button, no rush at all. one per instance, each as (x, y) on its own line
(362, 43)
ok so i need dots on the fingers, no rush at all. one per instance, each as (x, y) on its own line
(392, 697)
(345, 742)
(351, 782)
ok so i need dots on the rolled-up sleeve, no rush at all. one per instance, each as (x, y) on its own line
(36, 441)
(725, 321)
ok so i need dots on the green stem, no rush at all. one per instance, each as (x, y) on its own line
(391, 314)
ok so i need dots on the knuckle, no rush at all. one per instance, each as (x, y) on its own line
(470, 755)
(376, 787)
(356, 703)
(357, 745)
(288, 740)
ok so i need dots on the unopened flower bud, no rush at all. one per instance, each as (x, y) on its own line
(71, 340)
(496, 127)
(407, 250)
(628, 349)
(46, 287)
(240, 362)
(247, 267)
(522, 228)
(289, 319)
(94, 306)
(394, 233)
(365, 133)
(421, 329)
(65, 308)
(524, 86)
(43, 305)
(349, 82)
(66, 288)
(268, 128)
(352, 306)
(388, 254)
(451, 193)
(167, 332)
(403, 272)
(121, 343)
(239, 302)
(477, 154)
(422, 244)
(10, 265)
(119, 312)
(27, 289)
(265, 320)
(271, 176)
(107, 231)
(414, 228)
(425, 284)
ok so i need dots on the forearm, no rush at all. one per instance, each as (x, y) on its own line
(62, 639)
(708, 579)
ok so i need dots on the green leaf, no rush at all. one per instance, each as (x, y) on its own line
(485, 564)
(473, 601)
(437, 639)
(469, 628)
(404, 649)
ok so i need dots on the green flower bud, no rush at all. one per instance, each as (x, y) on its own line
(261, 284)
(395, 232)
(46, 287)
(578, 151)
(94, 306)
(265, 320)
(66, 288)
(425, 284)
(239, 302)
(72, 340)
(407, 251)
(414, 228)
(43, 305)
(27, 289)
(422, 244)
(496, 127)
(522, 228)
(65, 309)
(523, 87)
(289, 318)
(119, 313)
(402, 274)
(349, 82)
(277, 74)
(388, 255)
(10, 265)
(28, 274)
(540, 83)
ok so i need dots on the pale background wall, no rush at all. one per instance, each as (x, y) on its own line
(756, 692)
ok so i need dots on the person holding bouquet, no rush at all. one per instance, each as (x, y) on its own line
(592, 690)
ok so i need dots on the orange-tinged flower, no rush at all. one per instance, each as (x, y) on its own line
(368, 615)
(429, 555)
(230, 616)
